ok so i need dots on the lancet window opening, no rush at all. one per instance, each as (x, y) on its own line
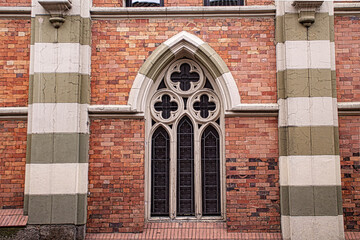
(185, 132)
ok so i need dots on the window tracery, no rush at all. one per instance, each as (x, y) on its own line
(186, 107)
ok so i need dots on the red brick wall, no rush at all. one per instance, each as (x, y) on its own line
(120, 47)
(107, 3)
(349, 128)
(347, 45)
(183, 3)
(116, 176)
(252, 182)
(15, 3)
(12, 163)
(14, 62)
(171, 3)
(261, 2)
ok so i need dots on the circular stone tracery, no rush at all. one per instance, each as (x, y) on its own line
(184, 77)
(185, 92)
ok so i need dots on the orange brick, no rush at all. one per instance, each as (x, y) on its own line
(347, 45)
(12, 164)
(349, 130)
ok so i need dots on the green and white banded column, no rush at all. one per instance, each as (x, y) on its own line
(56, 177)
(310, 179)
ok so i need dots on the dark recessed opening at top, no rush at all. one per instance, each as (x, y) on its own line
(144, 3)
(223, 2)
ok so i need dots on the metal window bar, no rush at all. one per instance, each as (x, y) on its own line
(224, 2)
(144, 3)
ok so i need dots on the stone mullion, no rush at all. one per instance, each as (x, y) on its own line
(58, 135)
(310, 186)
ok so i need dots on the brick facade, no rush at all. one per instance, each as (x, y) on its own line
(252, 175)
(347, 45)
(14, 62)
(349, 128)
(15, 3)
(116, 176)
(174, 3)
(120, 47)
(12, 171)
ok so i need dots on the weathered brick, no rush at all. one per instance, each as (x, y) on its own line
(116, 176)
(347, 46)
(14, 62)
(120, 47)
(253, 199)
(349, 130)
(12, 163)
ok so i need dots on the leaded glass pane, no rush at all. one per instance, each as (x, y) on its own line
(160, 163)
(210, 172)
(185, 168)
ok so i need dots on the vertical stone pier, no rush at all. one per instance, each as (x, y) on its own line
(310, 180)
(57, 147)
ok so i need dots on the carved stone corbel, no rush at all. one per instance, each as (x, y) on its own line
(56, 8)
(307, 11)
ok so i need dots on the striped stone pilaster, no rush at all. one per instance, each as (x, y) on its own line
(59, 94)
(310, 180)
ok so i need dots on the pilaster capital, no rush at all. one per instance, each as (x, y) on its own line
(56, 8)
(307, 11)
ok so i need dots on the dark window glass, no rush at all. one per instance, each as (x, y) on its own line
(204, 106)
(144, 3)
(185, 77)
(223, 2)
(165, 106)
(160, 163)
(210, 172)
(185, 168)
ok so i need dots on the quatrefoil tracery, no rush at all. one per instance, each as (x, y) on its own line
(184, 85)
(185, 77)
(166, 106)
(204, 106)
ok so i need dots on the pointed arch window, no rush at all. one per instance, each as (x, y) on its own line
(185, 122)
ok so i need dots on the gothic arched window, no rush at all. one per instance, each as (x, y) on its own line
(184, 128)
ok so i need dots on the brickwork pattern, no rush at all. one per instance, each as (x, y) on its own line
(116, 176)
(349, 128)
(174, 3)
(186, 230)
(107, 3)
(12, 163)
(257, 2)
(252, 175)
(14, 62)
(347, 47)
(15, 3)
(120, 47)
(183, 3)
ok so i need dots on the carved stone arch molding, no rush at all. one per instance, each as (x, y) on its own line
(178, 46)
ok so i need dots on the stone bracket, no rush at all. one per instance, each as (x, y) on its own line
(56, 8)
(307, 11)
